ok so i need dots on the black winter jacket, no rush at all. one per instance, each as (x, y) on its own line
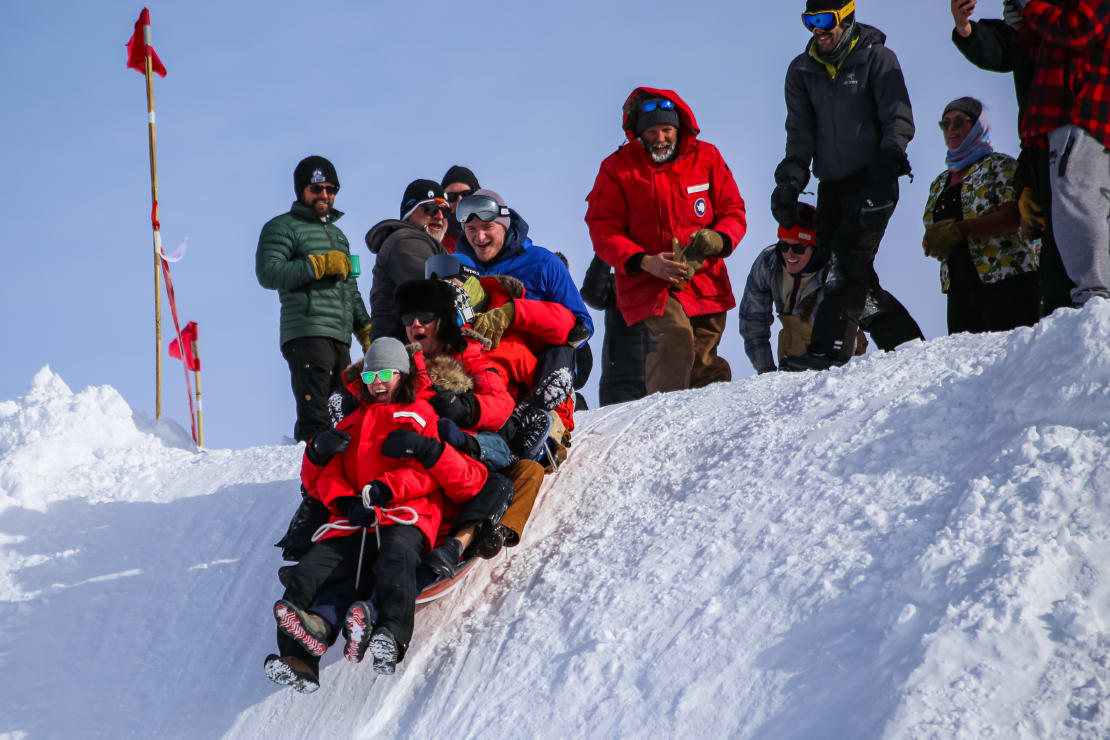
(401, 248)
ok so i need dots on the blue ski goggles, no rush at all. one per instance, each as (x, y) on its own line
(826, 20)
(651, 105)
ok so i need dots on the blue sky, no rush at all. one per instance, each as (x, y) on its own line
(526, 95)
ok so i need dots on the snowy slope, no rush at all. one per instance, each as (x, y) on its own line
(912, 546)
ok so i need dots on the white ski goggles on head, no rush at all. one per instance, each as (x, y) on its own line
(483, 207)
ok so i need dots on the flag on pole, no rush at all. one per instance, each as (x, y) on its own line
(138, 48)
(189, 338)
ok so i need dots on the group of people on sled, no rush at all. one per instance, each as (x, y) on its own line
(430, 450)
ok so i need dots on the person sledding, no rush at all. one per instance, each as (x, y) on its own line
(385, 492)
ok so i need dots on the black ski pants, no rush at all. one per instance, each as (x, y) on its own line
(623, 353)
(975, 306)
(852, 277)
(487, 508)
(316, 371)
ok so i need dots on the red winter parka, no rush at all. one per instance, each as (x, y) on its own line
(416, 491)
(494, 402)
(536, 326)
(637, 207)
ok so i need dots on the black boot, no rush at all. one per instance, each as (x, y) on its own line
(492, 543)
(444, 560)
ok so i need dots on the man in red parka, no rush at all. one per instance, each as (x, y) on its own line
(664, 213)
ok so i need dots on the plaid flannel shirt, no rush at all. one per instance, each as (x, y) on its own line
(1071, 81)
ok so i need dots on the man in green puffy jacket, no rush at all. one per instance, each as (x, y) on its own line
(306, 259)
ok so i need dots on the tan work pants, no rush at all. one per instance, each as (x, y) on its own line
(527, 476)
(683, 351)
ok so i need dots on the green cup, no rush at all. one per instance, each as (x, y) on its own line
(356, 266)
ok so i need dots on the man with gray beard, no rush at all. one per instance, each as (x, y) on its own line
(664, 213)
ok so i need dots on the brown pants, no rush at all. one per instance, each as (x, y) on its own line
(683, 350)
(795, 335)
(526, 476)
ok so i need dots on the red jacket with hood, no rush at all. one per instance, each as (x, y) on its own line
(636, 207)
(416, 490)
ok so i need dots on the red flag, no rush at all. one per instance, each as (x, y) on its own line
(189, 337)
(137, 49)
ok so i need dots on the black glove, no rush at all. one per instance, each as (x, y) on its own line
(407, 443)
(784, 205)
(579, 334)
(326, 445)
(450, 433)
(597, 287)
(461, 408)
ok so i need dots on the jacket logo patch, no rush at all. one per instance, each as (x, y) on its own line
(699, 206)
(411, 415)
(697, 188)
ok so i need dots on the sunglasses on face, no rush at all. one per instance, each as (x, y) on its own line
(651, 105)
(956, 122)
(385, 375)
(424, 317)
(785, 247)
(826, 20)
(317, 189)
(430, 209)
(452, 197)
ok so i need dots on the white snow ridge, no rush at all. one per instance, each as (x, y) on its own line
(915, 545)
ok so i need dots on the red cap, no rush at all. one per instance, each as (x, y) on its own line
(798, 234)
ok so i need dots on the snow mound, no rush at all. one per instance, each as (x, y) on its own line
(914, 545)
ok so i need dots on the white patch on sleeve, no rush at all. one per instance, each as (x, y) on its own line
(411, 415)
(697, 188)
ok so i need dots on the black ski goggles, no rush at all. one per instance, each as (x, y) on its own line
(482, 207)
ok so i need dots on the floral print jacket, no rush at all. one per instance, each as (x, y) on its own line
(987, 186)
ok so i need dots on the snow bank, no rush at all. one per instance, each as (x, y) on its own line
(913, 545)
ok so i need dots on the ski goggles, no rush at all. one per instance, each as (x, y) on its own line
(385, 375)
(317, 189)
(826, 20)
(651, 105)
(483, 207)
(424, 317)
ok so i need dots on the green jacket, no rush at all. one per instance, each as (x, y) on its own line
(309, 307)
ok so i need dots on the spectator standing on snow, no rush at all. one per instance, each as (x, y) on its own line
(458, 182)
(665, 212)
(998, 45)
(304, 256)
(987, 268)
(623, 346)
(848, 112)
(401, 248)
(1069, 108)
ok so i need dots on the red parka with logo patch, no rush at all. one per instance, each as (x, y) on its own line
(637, 206)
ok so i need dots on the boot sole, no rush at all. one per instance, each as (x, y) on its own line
(358, 624)
(291, 624)
(384, 650)
(281, 674)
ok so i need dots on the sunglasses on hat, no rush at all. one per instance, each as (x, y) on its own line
(317, 189)
(452, 197)
(483, 207)
(826, 20)
(386, 375)
(651, 105)
(424, 317)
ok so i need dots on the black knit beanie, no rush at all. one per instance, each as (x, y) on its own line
(420, 191)
(312, 170)
(968, 105)
(458, 173)
(657, 117)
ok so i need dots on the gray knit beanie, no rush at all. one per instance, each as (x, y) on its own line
(386, 353)
(967, 105)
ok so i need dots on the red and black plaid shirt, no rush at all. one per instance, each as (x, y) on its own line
(1070, 43)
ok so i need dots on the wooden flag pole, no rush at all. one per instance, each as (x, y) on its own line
(157, 232)
(200, 406)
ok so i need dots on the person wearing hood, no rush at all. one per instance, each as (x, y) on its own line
(988, 268)
(786, 279)
(849, 114)
(401, 248)
(664, 213)
(457, 183)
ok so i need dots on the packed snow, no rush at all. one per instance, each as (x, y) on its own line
(915, 545)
